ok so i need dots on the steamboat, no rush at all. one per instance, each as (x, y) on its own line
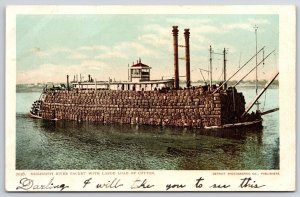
(141, 100)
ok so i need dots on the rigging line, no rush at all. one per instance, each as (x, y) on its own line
(221, 75)
(203, 69)
(263, 109)
(202, 75)
(240, 59)
(252, 69)
(238, 70)
(260, 93)
(218, 53)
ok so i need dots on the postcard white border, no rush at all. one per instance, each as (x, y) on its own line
(287, 95)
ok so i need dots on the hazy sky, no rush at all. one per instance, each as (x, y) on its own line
(51, 46)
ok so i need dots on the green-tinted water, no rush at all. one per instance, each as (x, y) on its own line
(47, 145)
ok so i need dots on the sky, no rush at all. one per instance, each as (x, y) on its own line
(49, 47)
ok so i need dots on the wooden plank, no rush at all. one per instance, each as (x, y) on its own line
(269, 111)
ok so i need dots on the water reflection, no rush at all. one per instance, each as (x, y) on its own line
(65, 126)
(45, 145)
(187, 148)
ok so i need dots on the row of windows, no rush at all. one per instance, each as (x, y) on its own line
(123, 86)
(143, 71)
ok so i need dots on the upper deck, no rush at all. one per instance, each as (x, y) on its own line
(125, 85)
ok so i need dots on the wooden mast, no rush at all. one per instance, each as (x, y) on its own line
(259, 95)
(237, 71)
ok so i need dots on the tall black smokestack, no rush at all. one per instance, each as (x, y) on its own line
(175, 43)
(187, 57)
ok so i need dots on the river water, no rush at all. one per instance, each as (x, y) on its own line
(46, 145)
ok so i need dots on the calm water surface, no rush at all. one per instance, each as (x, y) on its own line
(45, 145)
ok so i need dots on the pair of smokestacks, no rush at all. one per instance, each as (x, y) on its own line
(187, 57)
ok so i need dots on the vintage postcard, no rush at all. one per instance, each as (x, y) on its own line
(150, 98)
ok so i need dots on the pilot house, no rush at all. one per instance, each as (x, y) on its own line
(138, 80)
